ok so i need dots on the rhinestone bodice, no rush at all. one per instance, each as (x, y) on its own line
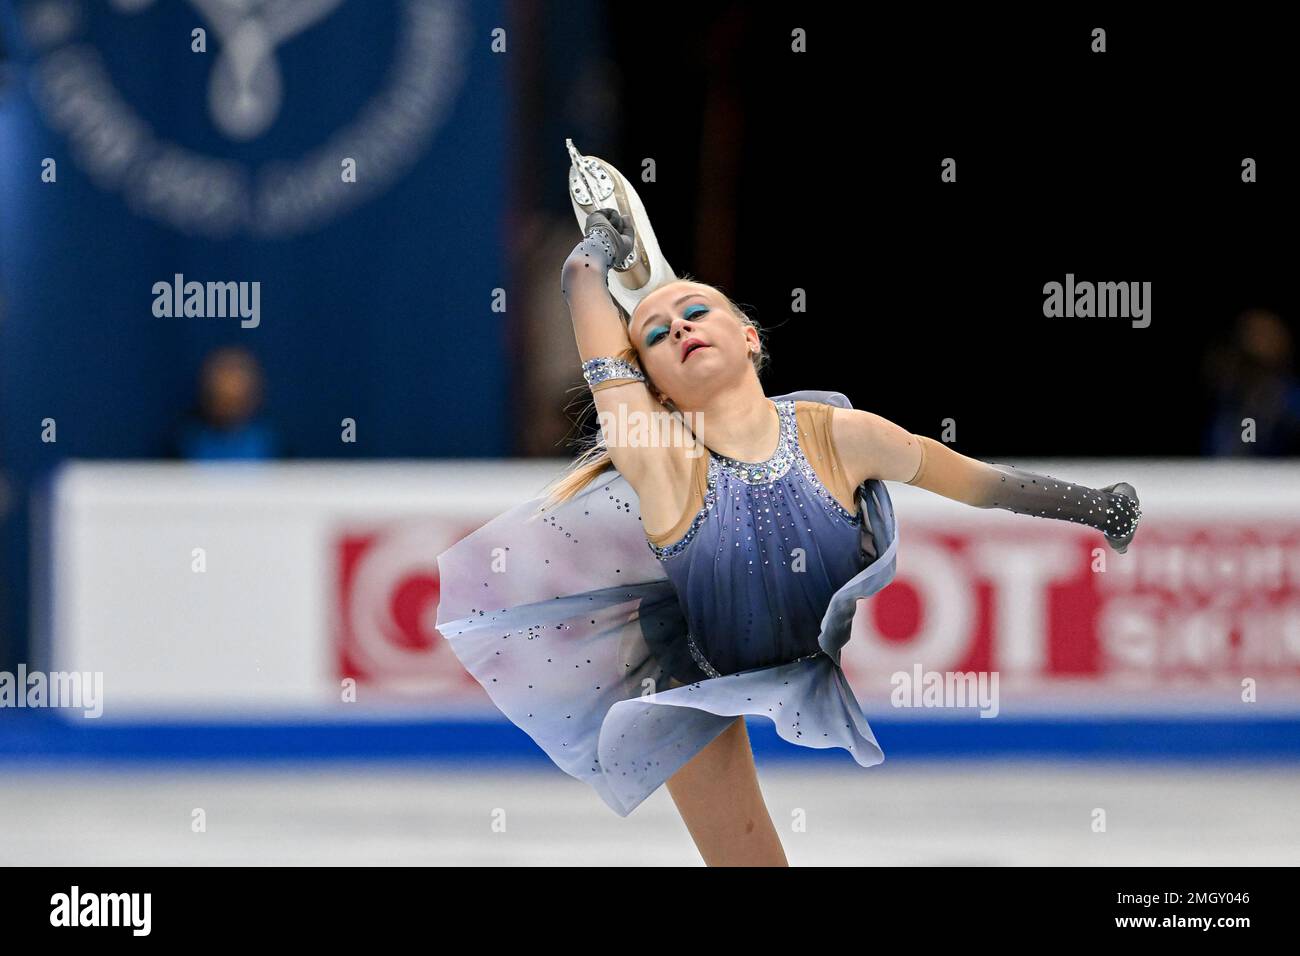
(781, 459)
(761, 559)
(788, 453)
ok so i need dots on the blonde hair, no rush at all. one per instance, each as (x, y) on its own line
(594, 457)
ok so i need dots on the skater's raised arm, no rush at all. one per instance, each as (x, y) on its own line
(597, 323)
(874, 447)
(609, 359)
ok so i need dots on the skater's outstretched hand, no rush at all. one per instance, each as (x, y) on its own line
(1124, 501)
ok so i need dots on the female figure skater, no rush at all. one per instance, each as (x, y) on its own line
(665, 589)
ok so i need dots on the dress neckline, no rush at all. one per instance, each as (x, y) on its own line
(780, 434)
(774, 465)
(788, 454)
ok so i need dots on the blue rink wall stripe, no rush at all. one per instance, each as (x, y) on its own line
(36, 735)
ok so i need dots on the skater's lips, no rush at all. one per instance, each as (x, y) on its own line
(690, 345)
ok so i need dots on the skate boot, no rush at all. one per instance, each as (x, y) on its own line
(595, 184)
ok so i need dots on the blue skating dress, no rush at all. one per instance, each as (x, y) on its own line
(622, 658)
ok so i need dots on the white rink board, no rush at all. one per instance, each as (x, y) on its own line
(257, 632)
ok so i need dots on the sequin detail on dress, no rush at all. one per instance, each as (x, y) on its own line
(778, 463)
(698, 656)
(788, 453)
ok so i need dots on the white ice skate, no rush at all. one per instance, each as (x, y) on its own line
(595, 184)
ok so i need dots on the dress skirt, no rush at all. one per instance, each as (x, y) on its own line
(570, 624)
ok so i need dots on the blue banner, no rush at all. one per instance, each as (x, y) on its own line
(320, 183)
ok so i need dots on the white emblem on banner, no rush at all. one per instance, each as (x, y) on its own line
(213, 196)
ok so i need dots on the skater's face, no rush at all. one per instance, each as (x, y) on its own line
(690, 343)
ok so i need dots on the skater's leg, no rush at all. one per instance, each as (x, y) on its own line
(718, 796)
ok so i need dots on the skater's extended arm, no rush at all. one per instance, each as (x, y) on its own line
(874, 447)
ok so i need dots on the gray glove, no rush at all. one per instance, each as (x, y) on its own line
(611, 227)
(1113, 510)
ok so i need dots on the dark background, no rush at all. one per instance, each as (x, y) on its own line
(925, 298)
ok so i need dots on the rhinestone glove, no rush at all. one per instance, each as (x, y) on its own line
(1112, 510)
(617, 231)
(583, 276)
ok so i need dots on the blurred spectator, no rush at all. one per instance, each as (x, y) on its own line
(225, 424)
(1252, 377)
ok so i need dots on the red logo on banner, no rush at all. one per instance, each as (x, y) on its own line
(1189, 602)
(387, 605)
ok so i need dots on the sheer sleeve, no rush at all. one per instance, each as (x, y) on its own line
(1112, 510)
